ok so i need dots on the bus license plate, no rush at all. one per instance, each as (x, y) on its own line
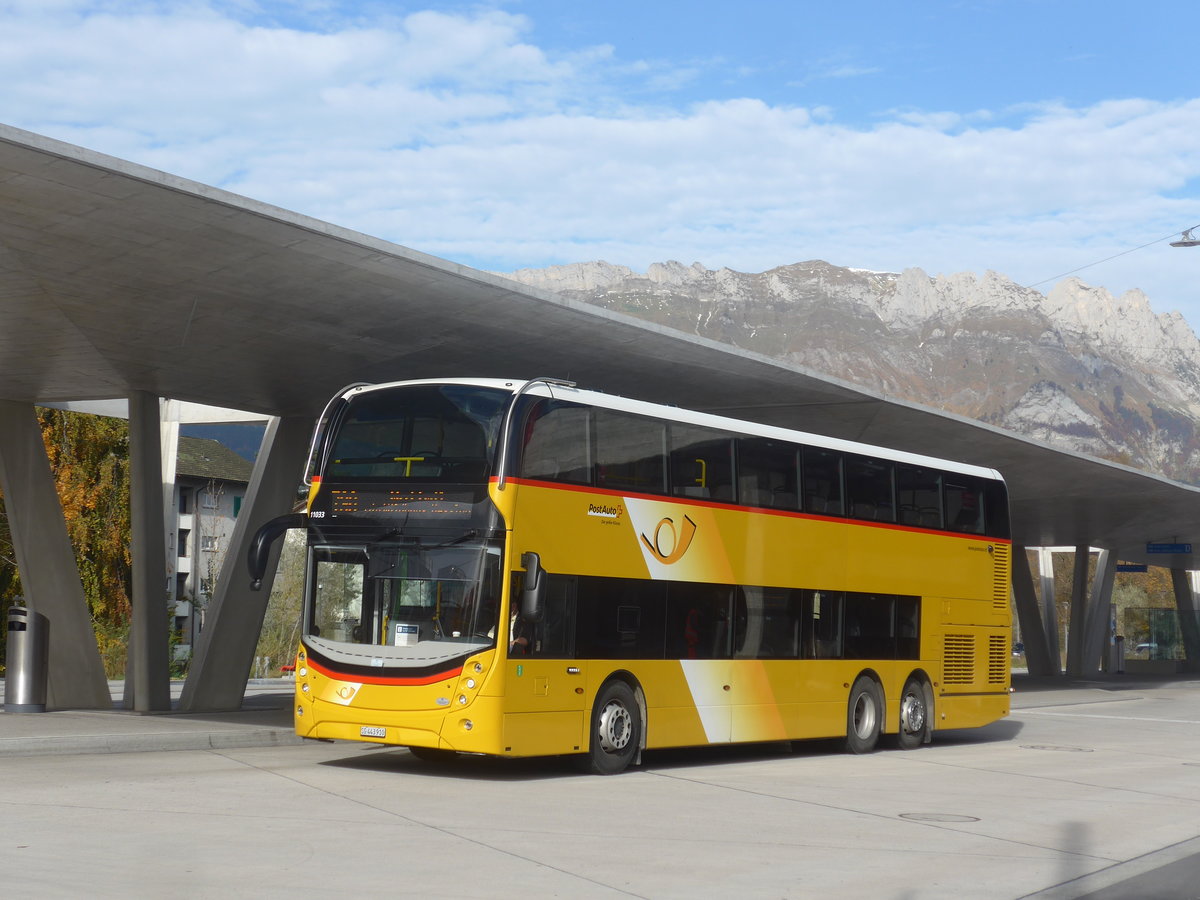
(372, 731)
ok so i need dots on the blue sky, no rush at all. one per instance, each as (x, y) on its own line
(1030, 137)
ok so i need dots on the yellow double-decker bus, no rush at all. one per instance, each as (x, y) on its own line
(526, 568)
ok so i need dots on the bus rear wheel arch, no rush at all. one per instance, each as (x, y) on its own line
(864, 715)
(615, 729)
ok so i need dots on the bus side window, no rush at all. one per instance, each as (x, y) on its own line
(964, 504)
(619, 618)
(630, 452)
(822, 479)
(869, 627)
(919, 495)
(908, 628)
(698, 623)
(768, 623)
(554, 636)
(557, 444)
(869, 492)
(767, 474)
(701, 463)
(821, 628)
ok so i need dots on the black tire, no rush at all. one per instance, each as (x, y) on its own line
(433, 754)
(914, 715)
(864, 715)
(615, 732)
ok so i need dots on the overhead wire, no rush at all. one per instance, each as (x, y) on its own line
(1114, 256)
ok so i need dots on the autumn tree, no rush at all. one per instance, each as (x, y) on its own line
(89, 460)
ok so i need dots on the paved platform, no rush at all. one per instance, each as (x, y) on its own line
(1090, 789)
(264, 720)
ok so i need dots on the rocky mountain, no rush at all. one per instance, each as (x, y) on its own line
(1076, 367)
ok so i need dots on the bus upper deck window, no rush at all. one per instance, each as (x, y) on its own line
(964, 506)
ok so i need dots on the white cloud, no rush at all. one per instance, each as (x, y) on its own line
(455, 135)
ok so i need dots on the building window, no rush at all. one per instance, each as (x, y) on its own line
(209, 542)
(209, 499)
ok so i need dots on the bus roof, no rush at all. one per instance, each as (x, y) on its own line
(565, 391)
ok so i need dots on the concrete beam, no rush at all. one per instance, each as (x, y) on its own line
(225, 652)
(46, 561)
(148, 663)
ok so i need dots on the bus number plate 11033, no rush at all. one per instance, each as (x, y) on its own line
(372, 731)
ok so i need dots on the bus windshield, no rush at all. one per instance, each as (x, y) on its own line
(396, 596)
(443, 433)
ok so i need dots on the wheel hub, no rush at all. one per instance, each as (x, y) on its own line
(616, 728)
(912, 714)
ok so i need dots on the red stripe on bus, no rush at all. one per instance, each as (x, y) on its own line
(380, 679)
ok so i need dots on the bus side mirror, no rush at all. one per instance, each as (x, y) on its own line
(260, 545)
(532, 588)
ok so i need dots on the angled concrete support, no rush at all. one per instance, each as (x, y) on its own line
(1098, 624)
(1037, 650)
(1049, 606)
(148, 663)
(46, 561)
(225, 653)
(1079, 611)
(1189, 618)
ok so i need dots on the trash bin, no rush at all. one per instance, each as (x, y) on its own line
(26, 661)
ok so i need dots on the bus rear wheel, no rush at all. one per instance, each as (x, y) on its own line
(615, 734)
(914, 716)
(864, 715)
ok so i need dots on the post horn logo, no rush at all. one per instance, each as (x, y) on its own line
(669, 544)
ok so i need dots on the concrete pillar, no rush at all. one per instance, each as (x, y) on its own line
(1079, 611)
(1098, 626)
(148, 664)
(46, 561)
(169, 455)
(225, 652)
(1049, 606)
(1189, 622)
(1037, 652)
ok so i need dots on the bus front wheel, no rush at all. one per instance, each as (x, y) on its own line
(615, 734)
(864, 715)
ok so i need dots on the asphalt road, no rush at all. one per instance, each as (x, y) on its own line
(1088, 790)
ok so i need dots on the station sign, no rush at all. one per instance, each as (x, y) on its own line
(1168, 548)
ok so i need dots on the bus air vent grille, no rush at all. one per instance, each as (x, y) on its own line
(958, 666)
(1000, 578)
(997, 658)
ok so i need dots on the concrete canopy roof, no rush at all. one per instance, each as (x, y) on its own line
(116, 278)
